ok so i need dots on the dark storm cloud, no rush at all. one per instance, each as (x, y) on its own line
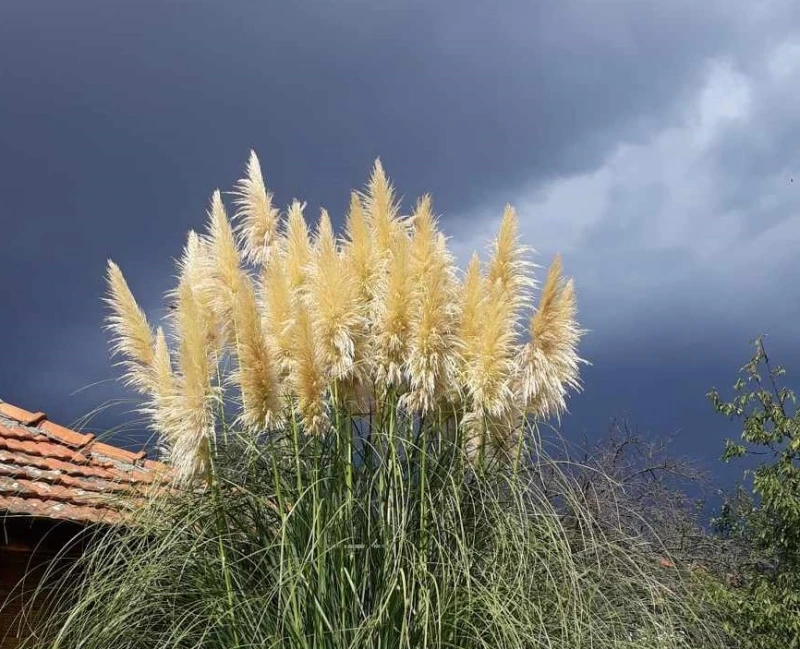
(457, 97)
(119, 119)
(683, 245)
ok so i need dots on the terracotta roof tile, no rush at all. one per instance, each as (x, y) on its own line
(65, 468)
(14, 505)
(52, 471)
(106, 450)
(20, 415)
(54, 476)
(65, 435)
(150, 465)
(17, 432)
(49, 491)
(45, 449)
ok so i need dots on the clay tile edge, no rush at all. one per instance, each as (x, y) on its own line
(154, 465)
(65, 435)
(115, 453)
(21, 415)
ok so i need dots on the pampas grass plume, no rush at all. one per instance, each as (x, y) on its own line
(550, 361)
(258, 218)
(131, 335)
(433, 346)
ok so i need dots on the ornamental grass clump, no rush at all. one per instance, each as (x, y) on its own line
(290, 323)
(352, 427)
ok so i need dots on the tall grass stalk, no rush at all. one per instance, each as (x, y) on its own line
(448, 557)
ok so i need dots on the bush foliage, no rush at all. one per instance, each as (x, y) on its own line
(761, 520)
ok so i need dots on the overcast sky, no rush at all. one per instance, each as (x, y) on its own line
(655, 144)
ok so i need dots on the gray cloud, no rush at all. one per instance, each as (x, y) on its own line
(457, 98)
(683, 245)
(685, 219)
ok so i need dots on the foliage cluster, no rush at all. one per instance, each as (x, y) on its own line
(760, 522)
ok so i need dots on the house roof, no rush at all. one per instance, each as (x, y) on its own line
(47, 470)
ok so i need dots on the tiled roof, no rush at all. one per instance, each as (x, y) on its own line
(47, 470)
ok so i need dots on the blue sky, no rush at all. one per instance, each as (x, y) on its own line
(655, 144)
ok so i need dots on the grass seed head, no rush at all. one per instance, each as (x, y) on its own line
(337, 313)
(382, 208)
(393, 315)
(308, 376)
(226, 279)
(550, 363)
(360, 250)
(296, 247)
(190, 414)
(255, 372)
(431, 369)
(278, 312)
(257, 216)
(131, 335)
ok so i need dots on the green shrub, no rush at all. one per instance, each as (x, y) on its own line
(761, 520)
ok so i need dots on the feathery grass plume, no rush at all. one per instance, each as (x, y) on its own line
(381, 207)
(297, 253)
(471, 300)
(360, 250)
(508, 270)
(185, 416)
(550, 363)
(226, 278)
(472, 296)
(393, 314)
(490, 359)
(365, 266)
(333, 300)
(195, 268)
(190, 416)
(158, 404)
(131, 335)
(234, 302)
(490, 371)
(162, 365)
(258, 217)
(278, 311)
(307, 374)
(255, 372)
(194, 263)
(324, 240)
(432, 367)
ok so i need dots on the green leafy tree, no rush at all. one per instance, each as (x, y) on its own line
(762, 518)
